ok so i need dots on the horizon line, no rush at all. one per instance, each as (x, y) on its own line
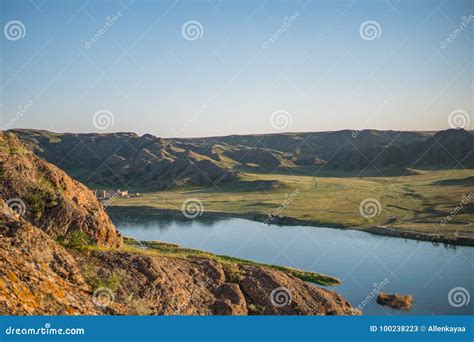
(240, 134)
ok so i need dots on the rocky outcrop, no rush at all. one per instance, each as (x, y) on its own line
(50, 199)
(396, 301)
(164, 285)
(280, 294)
(38, 276)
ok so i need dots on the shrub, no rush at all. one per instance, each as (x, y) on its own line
(233, 273)
(42, 197)
(75, 240)
(99, 278)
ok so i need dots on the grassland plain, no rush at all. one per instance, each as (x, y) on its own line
(412, 206)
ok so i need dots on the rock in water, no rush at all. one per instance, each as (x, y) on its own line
(396, 301)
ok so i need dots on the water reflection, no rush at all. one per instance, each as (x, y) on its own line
(424, 269)
(152, 218)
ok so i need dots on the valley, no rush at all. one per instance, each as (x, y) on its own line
(413, 180)
(60, 254)
(415, 195)
(415, 203)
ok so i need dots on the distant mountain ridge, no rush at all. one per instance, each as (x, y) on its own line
(127, 159)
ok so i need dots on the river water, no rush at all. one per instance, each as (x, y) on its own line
(364, 262)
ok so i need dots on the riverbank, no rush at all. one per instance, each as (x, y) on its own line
(175, 250)
(430, 205)
(362, 261)
(396, 232)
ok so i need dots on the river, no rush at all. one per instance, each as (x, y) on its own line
(364, 262)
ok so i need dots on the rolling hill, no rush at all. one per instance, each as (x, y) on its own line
(149, 162)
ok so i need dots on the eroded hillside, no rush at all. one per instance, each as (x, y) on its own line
(151, 163)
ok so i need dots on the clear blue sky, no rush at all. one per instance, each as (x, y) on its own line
(320, 69)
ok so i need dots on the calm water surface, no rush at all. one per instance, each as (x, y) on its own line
(427, 271)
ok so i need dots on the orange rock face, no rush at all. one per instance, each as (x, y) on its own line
(49, 198)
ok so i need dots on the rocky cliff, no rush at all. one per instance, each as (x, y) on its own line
(48, 198)
(37, 275)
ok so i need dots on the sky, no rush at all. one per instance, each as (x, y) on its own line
(212, 68)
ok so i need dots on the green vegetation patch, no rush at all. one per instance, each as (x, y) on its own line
(230, 263)
(12, 146)
(415, 202)
(75, 240)
(98, 278)
(42, 197)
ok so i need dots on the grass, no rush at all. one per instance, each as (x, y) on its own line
(11, 145)
(43, 196)
(230, 264)
(75, 240)
(416, 202)
(96, 279)
(233, 272)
